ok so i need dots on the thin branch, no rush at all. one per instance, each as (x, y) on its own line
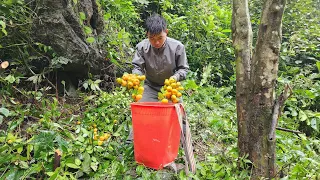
(277, 110)
(289, 130)
(12, 45)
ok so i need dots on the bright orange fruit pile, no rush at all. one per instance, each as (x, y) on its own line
(100, 138)
(171, 91)
(133, 82)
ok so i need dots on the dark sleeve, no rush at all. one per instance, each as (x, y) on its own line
(138, 63)
(181, 63)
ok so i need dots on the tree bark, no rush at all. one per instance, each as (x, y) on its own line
(58, 25)
(242, 42)
(256, 80)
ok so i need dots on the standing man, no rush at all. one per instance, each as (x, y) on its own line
(159, 57)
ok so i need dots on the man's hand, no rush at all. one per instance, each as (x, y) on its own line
(174, 77)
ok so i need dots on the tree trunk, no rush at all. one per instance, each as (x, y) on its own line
(256, 80)
(58, 24)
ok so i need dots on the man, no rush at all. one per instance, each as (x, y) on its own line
(159, 57)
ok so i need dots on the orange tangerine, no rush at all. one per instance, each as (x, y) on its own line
(164, 101)
(138, 97)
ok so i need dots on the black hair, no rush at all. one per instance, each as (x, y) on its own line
(155, 24)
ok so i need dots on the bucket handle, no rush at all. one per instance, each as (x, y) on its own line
(186, 139)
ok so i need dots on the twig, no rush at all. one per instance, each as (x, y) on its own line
(36, 118)
(20, 92)
(51, 83)
(12, 45)
(277, 111)
(57, 96)
(289, 130)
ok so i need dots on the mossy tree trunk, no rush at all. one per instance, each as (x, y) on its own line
(65, 25)
(256, 73)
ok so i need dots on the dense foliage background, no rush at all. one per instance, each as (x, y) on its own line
(34, 122)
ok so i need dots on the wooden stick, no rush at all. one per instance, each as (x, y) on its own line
(278, 105)
(57, 157)
(289, 130)
(275, 116)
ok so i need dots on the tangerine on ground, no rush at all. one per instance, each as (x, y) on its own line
(95, 137)
(100, 143)
(106, 136)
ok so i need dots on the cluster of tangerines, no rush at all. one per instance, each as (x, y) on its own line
(171, 91)
(100, 138)
(133, 82)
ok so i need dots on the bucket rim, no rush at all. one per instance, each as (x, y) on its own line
(153, 104)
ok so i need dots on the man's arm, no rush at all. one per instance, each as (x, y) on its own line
(181, 63)
(138, 63)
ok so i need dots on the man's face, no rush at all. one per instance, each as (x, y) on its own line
(157, 40)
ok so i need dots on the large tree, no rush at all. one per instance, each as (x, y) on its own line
(256, 71)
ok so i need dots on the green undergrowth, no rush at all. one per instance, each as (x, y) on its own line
(31, 132)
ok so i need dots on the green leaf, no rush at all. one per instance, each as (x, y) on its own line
(94, 166)
(302, 116)
(1, 119)
(294, 112)
(82, 16)
(314, 124)
(93, 87)
(318, 65)
(24, 165)
(77, 162)
(5, 112)
(139, 169)
(86, 163)
(3, 24)
(73, 166)
(87, 30)
(10, 79)
(226, 30)
(85, 85)
(34, 169)
(90, 39)
(106, 16)
(216, 167)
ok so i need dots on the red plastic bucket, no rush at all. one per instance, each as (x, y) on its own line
(156, 133)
